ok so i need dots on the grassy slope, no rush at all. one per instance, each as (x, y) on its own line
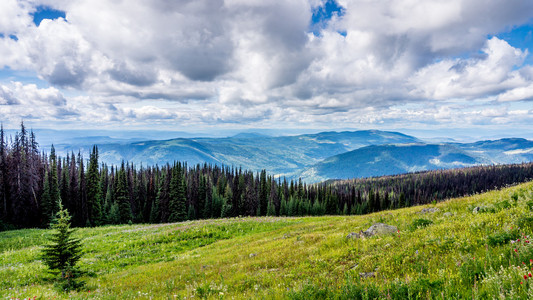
(461, 256)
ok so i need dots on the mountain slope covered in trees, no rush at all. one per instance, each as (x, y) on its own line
(278, 155)
(314, 157)
(33, 184)
(390, 160)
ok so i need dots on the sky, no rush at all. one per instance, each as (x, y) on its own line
(442, 66)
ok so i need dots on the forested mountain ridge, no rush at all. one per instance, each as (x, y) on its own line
(282, 155)
(33, 183)
(314, 157)
(380, 160)
(383, 160)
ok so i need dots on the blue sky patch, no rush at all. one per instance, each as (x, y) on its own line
(46, 12)
(322, 14)
(11, 36)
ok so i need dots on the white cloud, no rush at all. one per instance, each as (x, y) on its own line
(14, 16)
(256, 63)
(19, 101)
(473, 77)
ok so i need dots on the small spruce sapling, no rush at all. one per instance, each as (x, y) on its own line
(64, 251)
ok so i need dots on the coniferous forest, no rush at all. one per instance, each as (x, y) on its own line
(34, 182)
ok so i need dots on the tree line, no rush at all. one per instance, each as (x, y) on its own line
(34, 183)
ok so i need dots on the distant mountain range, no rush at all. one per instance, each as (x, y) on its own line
(313, 157)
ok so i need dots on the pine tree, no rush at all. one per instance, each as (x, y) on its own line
(217, 200)
(3, 176)
(46, 202)
(202, 195)
(271, 209)
(94, 198)
(283, 210)
(81, 205)
(64, 251)
(178, 208)
(51, 196)
(263, 194)
(64, 184)
(159, 212)
(123, 201)
(209, 201)
(227, 209)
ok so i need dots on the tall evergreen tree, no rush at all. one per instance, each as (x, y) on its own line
(64, 183)
(123, 199)
(263, 194)
(3, 176)
(160, 208)
(178, 202)
(46, 202)
(51, 195)
(94, 198)
(82, 193)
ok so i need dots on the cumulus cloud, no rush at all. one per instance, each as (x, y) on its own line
(472, 78)
(257, 62)
(6, 96)
(14, 16)
(27, 101)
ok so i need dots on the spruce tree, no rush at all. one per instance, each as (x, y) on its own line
(55, 196)
(94, 198)
(45, 202)
(271, 209)
(159, 212)
(263, 194)
(3, 175)
(123, 201)
(178, 207)
(64, 251)
(226, 208)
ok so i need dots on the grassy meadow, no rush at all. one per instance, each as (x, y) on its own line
(447, 254)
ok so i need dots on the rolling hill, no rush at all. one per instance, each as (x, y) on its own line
(502, 151)
(382, 160)
(283, 155)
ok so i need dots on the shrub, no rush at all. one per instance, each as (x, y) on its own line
(500, 238)
(420, 223)
(502, 205)
(525, 222)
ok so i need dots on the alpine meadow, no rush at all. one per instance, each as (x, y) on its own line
(291, 149)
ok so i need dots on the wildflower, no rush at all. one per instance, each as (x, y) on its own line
(531, 261)
(521, 282)
(518, 240)
(525, 276)
(515, 250)
(529, 274)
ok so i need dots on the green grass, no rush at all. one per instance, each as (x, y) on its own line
(434, 256)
